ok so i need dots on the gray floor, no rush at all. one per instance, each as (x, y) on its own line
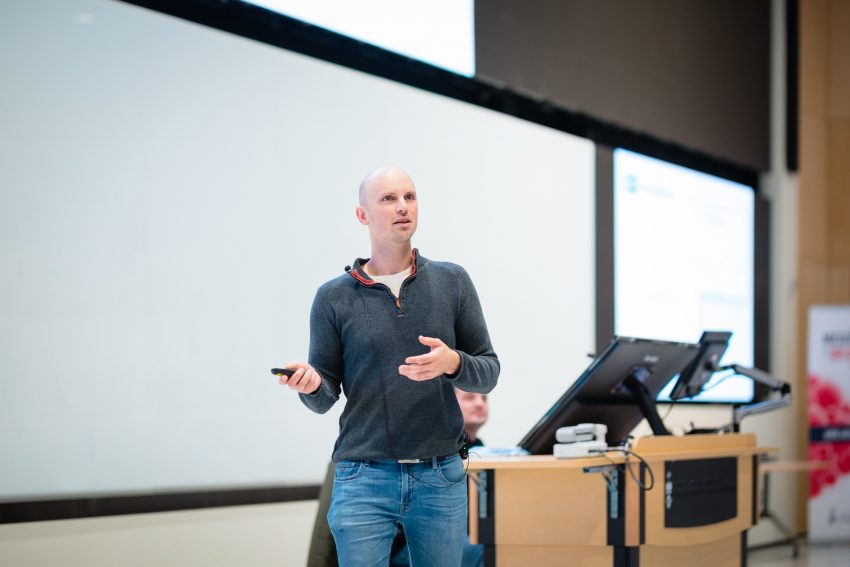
(815, 555)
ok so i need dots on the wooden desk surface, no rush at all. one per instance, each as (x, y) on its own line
(650, 448)
(791, 466)
(540, 462)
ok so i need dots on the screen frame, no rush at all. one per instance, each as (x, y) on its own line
(605, 267)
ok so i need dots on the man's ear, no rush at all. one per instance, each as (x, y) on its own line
(361, 215)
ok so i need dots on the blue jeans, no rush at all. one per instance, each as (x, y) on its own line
(371, 498)
(473, 556)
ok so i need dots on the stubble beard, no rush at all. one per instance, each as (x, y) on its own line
(403, 236)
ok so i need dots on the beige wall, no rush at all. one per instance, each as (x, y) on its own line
(243, 536)
(824, 193)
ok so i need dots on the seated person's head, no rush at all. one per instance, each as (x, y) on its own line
(474, 409)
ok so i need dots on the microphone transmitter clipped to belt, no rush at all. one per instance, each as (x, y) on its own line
(464, 450)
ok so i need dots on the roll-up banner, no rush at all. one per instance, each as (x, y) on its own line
(829, 421)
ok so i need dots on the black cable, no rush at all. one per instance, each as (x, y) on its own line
(717, 383)
(631, 472)
(629, 452)
(669, 409)
(723, 379)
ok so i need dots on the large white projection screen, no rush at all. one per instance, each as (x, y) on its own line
(683, 261)
(438, 32)
(170, 199)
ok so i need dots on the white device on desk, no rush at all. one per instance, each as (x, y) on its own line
(580, 440)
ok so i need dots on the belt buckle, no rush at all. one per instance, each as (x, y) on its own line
(408, 461)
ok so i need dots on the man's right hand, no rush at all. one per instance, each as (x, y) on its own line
(305, 380)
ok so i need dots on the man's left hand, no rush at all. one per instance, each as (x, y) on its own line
(441, 360)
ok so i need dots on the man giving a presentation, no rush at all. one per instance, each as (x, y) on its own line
(396, 334)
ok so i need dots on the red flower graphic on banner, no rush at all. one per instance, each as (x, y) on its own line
(827, 407)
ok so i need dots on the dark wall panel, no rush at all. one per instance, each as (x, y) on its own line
(695, 73)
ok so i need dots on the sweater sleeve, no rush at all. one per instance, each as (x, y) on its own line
(325, 353)
(479, 365)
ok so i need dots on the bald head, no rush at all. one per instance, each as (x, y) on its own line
(388, 206)
(375, 180)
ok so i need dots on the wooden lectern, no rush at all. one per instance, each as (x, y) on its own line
(540, 511)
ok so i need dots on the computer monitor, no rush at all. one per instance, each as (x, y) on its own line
(712, 345)
(617, 389)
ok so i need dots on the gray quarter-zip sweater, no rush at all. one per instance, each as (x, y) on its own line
(360, 334)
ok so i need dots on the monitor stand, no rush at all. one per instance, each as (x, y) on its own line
(634, 383)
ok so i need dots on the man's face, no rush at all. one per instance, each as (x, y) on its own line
(389, 207)
(473, 407)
